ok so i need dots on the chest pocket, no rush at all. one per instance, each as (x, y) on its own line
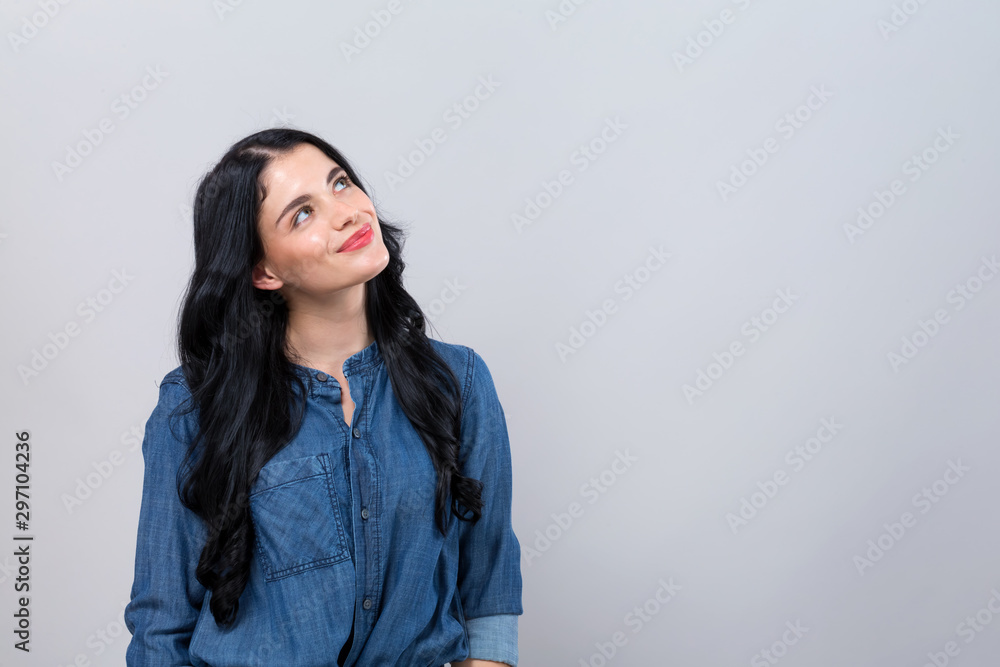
(296, 517)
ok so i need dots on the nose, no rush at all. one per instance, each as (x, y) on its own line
(343, 214)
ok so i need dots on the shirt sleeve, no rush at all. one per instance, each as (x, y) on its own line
(489, 568)
(493, 638)
(166, 595)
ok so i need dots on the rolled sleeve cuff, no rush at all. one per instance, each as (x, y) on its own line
(493, 638)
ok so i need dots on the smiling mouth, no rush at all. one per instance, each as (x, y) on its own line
(359, 239)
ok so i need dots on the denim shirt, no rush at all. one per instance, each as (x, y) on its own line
(346, 546)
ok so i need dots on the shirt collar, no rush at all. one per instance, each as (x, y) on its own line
(355, 363)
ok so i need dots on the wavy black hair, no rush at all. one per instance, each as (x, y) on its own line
(234, 355)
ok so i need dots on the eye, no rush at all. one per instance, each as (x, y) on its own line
(345, 179)
(295, 220)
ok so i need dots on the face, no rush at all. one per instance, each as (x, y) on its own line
(310, 213)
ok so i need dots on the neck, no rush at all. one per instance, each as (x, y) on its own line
(325, 334)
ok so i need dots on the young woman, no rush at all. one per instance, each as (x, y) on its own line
(324, 484)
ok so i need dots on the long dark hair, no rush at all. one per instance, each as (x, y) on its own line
(233, 352)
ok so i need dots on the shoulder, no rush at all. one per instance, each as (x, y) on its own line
(455, 354)
(175, 396)
(460, 358)
(174, 387)
(470, 368)
(175, 376)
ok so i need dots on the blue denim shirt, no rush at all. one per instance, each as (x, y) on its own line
(346, 542)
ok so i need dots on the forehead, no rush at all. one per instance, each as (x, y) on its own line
(303, 168)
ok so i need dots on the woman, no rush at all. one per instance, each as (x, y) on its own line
(324, 484)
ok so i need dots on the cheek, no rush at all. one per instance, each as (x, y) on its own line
(305, 250)
(313, 245)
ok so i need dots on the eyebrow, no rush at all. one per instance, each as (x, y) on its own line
(302, 199)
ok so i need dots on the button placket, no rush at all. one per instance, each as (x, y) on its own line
(367, 603)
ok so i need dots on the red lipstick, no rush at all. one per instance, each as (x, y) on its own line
(359, 239)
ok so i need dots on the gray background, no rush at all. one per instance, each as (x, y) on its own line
(230, 69)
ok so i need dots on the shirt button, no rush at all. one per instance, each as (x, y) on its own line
(357, 433)
(364, 512)
(322, 377)
(367, 603)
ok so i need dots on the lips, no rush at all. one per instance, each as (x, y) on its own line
(356, 237)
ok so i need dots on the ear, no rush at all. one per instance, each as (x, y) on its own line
(262, 278)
